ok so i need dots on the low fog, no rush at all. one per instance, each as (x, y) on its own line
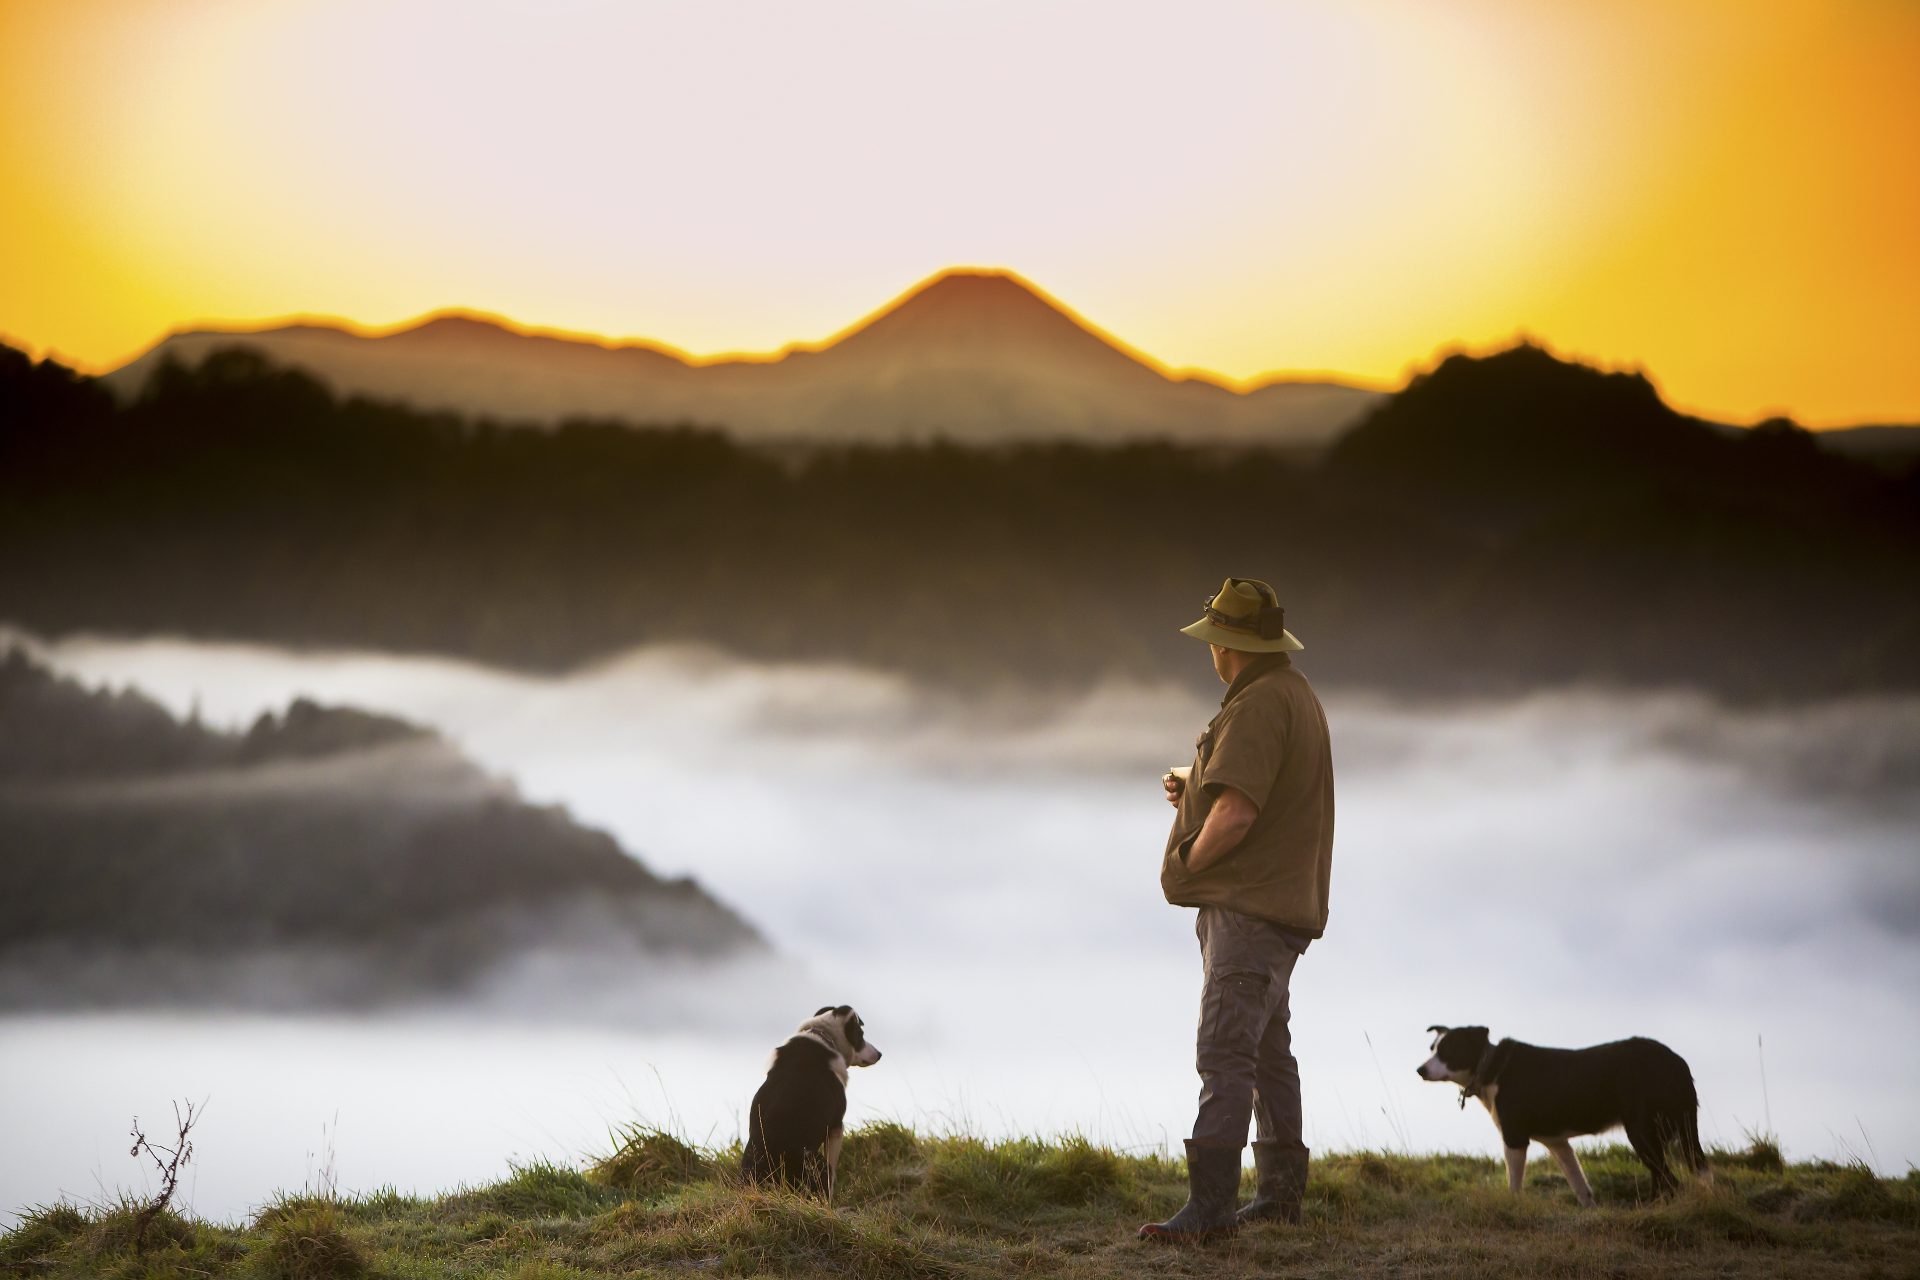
(980, 878)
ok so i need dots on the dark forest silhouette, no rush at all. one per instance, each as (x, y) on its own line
(1505, 522)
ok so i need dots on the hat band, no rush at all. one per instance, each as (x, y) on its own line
(1269, 624)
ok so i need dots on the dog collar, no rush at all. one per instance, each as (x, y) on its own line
(1482, 1077)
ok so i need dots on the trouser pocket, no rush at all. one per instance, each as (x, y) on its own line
(1233, 1009)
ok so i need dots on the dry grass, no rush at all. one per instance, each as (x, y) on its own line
(927, 1208)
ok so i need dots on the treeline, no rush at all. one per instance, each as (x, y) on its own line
(53, 729)
(1504, 523)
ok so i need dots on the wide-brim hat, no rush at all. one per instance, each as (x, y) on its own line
(1246, 615)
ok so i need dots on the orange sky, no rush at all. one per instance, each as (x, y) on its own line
(1726, 192)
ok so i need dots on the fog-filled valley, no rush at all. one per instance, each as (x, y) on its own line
(977, 873)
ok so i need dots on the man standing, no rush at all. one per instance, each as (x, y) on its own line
(1252, 847)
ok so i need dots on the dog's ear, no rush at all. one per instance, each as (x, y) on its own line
(1439, 1031)
(825, 1008)
(842, 1011)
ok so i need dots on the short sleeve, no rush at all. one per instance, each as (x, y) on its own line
(1249, 744)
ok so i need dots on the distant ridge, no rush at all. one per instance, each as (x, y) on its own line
(326, 857)
(1872, 440)
(974, 356)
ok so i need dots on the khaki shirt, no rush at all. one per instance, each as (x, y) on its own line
(1270, 743)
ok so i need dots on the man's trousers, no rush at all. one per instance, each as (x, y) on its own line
(1245, 1051)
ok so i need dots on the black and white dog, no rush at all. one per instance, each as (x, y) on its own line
(794, 1130)
(1551, 1095)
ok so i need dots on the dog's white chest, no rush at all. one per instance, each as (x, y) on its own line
(1487, 1098)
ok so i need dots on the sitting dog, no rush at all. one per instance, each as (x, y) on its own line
(1551, 1095)
(794, 1130)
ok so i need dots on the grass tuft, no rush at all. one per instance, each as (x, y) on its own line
(43, 1231)
(1026, 1179)
(64, 1240)
(1698, 1216)
(1762, 1155)
(308, 1240)
(1374, 1170)
(647, 1160)
(116, 1229)
(880, 1161)
(1075, 1172)
(540, 1189)
(1852, 1193)
(755, 1231)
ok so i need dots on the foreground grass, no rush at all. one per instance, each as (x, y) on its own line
(915, 1206)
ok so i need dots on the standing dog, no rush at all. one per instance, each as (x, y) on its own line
(1551, 1095)
(795, 1128)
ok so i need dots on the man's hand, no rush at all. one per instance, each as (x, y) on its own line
(1226, 825)
(1175, 784)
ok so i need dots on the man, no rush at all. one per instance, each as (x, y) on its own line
(1252, 847)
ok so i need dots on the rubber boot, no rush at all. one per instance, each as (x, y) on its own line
(1213, 1188)
(1282, 1170)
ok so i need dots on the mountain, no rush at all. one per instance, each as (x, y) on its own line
(327, 857)
(972, 356)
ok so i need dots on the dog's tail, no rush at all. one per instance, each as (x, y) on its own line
(1690, 1148)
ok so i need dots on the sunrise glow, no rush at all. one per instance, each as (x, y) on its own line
(1726, 195)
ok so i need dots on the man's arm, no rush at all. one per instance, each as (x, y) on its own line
(1226, 825)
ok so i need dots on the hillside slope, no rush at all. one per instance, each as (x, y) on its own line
(325, 857)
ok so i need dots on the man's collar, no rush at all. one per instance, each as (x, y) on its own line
(1253, 671)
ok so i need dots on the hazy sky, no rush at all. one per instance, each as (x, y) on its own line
(1725, 192)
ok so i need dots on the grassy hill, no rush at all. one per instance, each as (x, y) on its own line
(914, 1206)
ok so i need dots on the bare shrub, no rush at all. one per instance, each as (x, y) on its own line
(177, 1157)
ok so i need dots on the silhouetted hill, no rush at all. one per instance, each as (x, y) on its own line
(1590, 499)
(326, 856)
(1504, 523)
(1522, 420)
(972, 356)
(1522, 431)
